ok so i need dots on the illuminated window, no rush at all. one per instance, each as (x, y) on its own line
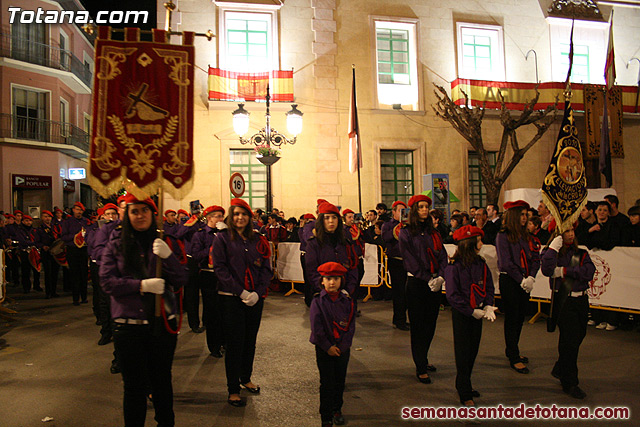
(396, 171)
(480, 52)
(477, 192)
(254, 174)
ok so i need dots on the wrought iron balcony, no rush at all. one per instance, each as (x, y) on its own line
(18, 127)
(45, 55)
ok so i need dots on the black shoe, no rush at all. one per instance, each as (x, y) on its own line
(524, 359)
(327, 424)
(55, 296)
(252, 390)
(431, 368)
(401, 326)
(575, 392)
(358, 313)
(338, 419)
(115, 368)
(423, 380)
(198, 330)
(104, 339)
(216, 353)
(237, 403)
(38, 289)
(76, 303)
(555, 373)
(84, 301)
(47, 297)
(99, 322)
(524, 370)
(475, 393)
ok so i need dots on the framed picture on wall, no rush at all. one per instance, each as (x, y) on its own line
(34, 211)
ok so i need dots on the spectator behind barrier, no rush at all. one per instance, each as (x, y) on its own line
(605, 234)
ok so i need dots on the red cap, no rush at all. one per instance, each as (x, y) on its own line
(516, 204)
(80, 205)
(466, 232)
(132, 200)
(168, 211)
(241, 203)
(400, 202)
(214, 208)
(27, 217)
(419, 198)
(347, 211)
(328, 208)
(58, 210)
(321, 201)
(121, 199)
(8, 215)
(332, 269)
(109, 206)
(182, 211)
(17, 211)
(46, 212)
(100, 211)
(309, 216)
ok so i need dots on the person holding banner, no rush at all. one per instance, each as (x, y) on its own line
(425, 259)
(242, 263)
(144, 344)
(570, 270)
(470, 293)
(518, 263)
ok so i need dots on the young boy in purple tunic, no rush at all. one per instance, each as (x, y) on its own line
(332, 327)
(470, 293)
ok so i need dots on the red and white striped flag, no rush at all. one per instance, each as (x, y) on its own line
(610, 65)
(355, 149)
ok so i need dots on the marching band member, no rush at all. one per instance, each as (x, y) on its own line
(518, 263)
(44, 238)
(425, 259)
(470, 293)
(25, 239)
(242, 263)
(562, 261)
(352, 230)
(307, 224)
(332, 319)
(73, 232)
(201, 248)
(398, 275)
(145, 352)
(329, 243)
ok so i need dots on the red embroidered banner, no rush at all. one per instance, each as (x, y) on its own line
(233, 86)
(142, 114)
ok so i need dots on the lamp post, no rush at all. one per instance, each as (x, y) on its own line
(267, 137)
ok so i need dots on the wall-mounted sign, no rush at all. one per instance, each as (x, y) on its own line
(63, 173)
(236, 184)
(32, 182)
(68, 185)
(77, 173)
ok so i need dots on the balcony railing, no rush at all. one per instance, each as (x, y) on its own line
(45, 55)
(18, 127)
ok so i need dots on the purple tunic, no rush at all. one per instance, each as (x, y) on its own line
(185, 234)
(89, 237)
(124, 289)
(241, 264)
(518, 260)
(101, 238)
(70, 227)
(419, 255)
(393, 247)
(306, 234)
(201, 244)
(23, 235)
(332, 322)
(43, 235)
(317, 254)
(465, 281)
(582, 273)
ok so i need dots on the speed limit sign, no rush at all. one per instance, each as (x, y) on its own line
(236, 184)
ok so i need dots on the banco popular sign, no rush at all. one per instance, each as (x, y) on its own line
(33, 182)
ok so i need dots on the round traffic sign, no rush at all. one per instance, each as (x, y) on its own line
(236, 184)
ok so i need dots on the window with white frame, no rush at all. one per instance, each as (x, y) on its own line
(64, 117)
(589, 50)
(29, 114)
(396, 62)
(480, 51)
(248, 38)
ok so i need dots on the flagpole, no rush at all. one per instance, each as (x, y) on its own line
(355, 108)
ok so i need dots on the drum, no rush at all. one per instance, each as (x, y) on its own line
(57, 247)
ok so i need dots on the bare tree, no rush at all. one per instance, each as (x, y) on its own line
(468, 122)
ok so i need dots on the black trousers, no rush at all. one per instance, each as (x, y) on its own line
(308, 287)
(145, 359)
(467, 332)
(333, 373)
(240, 324)
(423, 306)
(78, 271)
(514, 306)
(14, 266)
(398, 277)
(66, 279)
(572, 323)
(51, 268)
(95, 284)
(211, 310)
(101, 302)
(192, 295)
(27, 269)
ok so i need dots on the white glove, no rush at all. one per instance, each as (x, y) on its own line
(558, 272)
(252, 299)
(556, 244)
(153, 286)
(435, 284)
(477, 313)
(161, 249)
(489, 312)
(221, 225)
(527, 284)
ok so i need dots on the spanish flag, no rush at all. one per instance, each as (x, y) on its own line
(233, 86)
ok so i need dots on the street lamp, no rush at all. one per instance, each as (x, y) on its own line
(267, 136)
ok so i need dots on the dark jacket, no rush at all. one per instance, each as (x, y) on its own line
(389, 237)
(423, 254)
(332, 322)
(317, 254)
(518, 260)
(582, 273)
(70, 227)
(469, 287)
(608, 237)
(201, 245)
